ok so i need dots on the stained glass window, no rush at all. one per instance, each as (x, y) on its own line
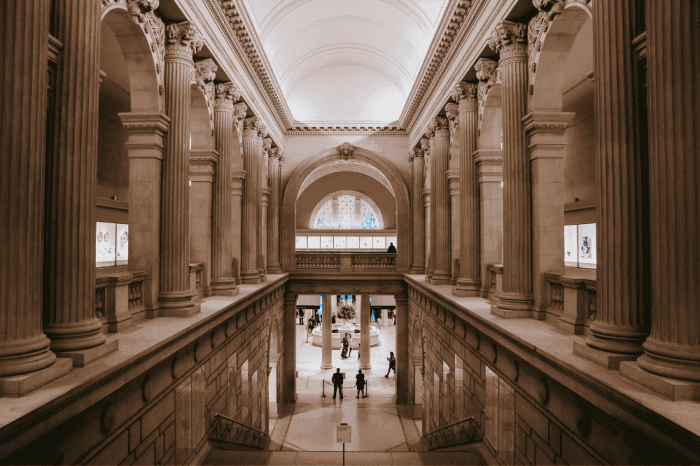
(369, 219)
(323, 221)
(346, 212)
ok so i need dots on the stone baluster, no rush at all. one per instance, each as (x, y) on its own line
(673, 347)
(439, 134)
(266, 145)
(222, 281)
(417, 162)
(273, 210)
(425, 192)
(176, 297)
(365, 342)
(402, 356)
(620, 325)
(69, 313)
(327, 336)
(251, 200)
(516, 300)
(469, 281)
(24, 27)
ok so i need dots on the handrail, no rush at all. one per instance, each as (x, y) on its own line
(447, 436)
(470, 418)
(237, 433)
(240, 423)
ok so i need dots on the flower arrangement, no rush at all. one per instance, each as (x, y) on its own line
(346, 311)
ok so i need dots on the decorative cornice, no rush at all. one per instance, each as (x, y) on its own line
(509, 39)
(183, 40)
(345, 150)
(435, 124)
(204, 74)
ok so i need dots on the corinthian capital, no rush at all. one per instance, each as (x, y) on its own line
(486, 69)
(435, 124)
(276, 153)
(553, 8)
(226, 95)
(452, 113)
(425, 146)
(415, 154)
(509, 38)
(138, 8)
(464, 91)
(182, 40)
(267, 145)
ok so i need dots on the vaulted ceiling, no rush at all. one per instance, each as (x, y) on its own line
(341, 61)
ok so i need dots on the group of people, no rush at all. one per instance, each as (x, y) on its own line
(337, 378)
(347, 347)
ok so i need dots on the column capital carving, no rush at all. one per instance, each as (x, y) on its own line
(509, 39)
(226, 94)
(552, 8)
(464, 94)
(425, 146)
(415, 155)
(182, 40)
(204, 74)
(276, 153)
(143, 14)
(435, 124)
(267, 145)
(257, 125)
(486, 70)
(452, 112)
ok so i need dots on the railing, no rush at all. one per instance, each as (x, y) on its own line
(233, 432)
(136, 291)
(324, 383)
(556, 293)
(318, 260)
(459, 433)
(344, 262)
(109, 305)
(374, 260)
(496, 275)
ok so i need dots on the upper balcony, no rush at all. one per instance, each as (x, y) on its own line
(340, 263)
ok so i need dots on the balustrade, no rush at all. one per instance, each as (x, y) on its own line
(346, 262)
(117, 297)
(459, 433)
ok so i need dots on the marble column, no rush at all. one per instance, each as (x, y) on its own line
(620, 325)
(402, 356)
(415, 158)
(264, 207)
(327, 341)
(222, 281)
(237, 187)
(273, 210)
(425, 192)
(69, 312)
(365, 343)
(509, 40)
(289, 356)
(251, 201)
(176, 297)
(24, 27)
(469, 281)
(453, 176)
(439, 134)
(673, 347)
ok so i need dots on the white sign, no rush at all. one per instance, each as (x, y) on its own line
(344, 433)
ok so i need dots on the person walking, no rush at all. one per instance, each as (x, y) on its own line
(358, 351)
(360, 377)
(337, 380)
(349, 337)
(309, 328)
(392, 364)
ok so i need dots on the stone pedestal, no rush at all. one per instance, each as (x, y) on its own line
(289, 380)
(273, 210)
(327, 348)
(402, 357)
(620, 325)
(69, 312)
(439, 134)
(469, 281)
(364, 332)
(23, 346)
(546, 132)
(516, 300)
(183, 40)
(417, 162)
(117, 302)
(575, 304)
(673, 347)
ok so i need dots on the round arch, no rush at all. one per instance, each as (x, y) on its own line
(358, 195)
(329, 156)
(491, 124)
(200, 121)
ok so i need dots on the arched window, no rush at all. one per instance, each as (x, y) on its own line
(347, 212)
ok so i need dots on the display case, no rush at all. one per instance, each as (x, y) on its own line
(366, 242)
(105, 244)
(580, 245)
(340, 242)
(353, 242)
(570, 242)
(122, 244)
(379, 242)
(314, 242)
(301, 242)
(326, 242)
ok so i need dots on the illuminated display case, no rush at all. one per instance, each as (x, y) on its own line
(366, 242)
(106, 244)
(580, 245)
(122, 244)
(301, 242)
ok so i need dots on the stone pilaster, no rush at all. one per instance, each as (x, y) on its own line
(289, 355)
(222, 281)
(453, 184)
(673, 347)
(265, 146)
(417, 162)
(516, 300)
(24, 28)
(176, 298)
(365, 343)
(620, 325)
(425, 193)
(237, 188)
(251, 200)
(439, 135)
(273, 210)
(69, 312)
(327, 338)
(402, 356)
(469, 281)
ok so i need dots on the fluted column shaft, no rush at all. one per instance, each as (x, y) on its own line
(251, 197)
(327, 338)
(511, 42)
(620, 324)
(24, 29)
(260, 167)
(417, 211)
(222, 281)
(440, 203)
(673, 347)
(469, 281)
(69, 312)
(364, 332)
(273, 213)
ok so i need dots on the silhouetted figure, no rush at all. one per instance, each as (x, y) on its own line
(360, 377)
(392, 364)
(337, 380)
(392, 249)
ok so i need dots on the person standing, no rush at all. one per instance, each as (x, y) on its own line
(309, 328)
(344, 353)
(337, 380)
(360, 377)
(392, 364)
(301, 317)
(349, 337)
(391, 249)
(358, 351)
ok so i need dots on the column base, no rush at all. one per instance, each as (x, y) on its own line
(84, 357)
(667, 365)
(223, 287)
(609, 361)
(440, 277)
(326, 366)
(365, 366)
(513, 305)
(616, 339)
(467, 288)
(274, 269)
(19, 385)
(417, 270)
(75, 337)
(250, 278)
(672, 389)
(178, 304)
(25, 356)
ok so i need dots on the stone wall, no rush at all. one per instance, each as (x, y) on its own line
(163, 413)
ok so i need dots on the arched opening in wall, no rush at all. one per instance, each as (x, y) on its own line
(274, 358)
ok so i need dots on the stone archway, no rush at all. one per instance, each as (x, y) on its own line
(329, 156)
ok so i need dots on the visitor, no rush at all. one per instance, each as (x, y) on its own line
(309, 328)
(337, 380)
(392, 249)
(358, 351)
(349, 337)
(360, 377)
(301, 317)
(333, 319)
(344, 352)
(392, 364)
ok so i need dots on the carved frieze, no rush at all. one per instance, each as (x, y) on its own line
(509, 39)
(182, 40)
